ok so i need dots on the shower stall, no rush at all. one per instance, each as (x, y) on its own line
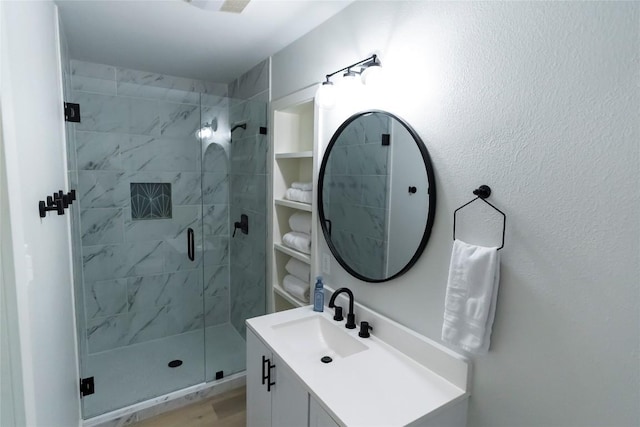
(163, 279)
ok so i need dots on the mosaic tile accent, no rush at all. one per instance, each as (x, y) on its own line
(150, 200)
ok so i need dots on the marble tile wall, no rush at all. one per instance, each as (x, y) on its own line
(138, 283)
(248, 191)
(252, 83)
(359, 179)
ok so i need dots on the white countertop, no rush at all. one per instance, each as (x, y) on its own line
(377, 387)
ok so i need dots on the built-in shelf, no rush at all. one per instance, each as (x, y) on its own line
(293, 140)
(295, 205)
(293, 253)
(295, 155)
(287, 296)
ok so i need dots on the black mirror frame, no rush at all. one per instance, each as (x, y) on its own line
(431, 191)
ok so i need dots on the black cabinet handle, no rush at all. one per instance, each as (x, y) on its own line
(266, 376)
(191, 252)
(269, 382)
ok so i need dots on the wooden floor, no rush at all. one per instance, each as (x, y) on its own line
(225, 410)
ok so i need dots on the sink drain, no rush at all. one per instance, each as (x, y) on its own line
(326, 359)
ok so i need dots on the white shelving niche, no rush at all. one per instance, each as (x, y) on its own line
(294, 145)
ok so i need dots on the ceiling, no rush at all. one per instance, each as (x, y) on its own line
(175, 38)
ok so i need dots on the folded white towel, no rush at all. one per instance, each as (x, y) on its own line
(296, 287)
(299, 269)
(306, 186)
(299, 195)
(298, 241)
(472, 292)
(301, 222)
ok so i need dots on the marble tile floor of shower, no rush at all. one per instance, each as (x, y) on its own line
(139, 372)
(225, 410)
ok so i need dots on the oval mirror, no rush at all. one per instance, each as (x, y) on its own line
(376, 196)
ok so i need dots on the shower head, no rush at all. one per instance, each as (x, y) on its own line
(242, 124)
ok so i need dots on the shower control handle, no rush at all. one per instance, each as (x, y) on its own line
(243, 225)
(191, 252)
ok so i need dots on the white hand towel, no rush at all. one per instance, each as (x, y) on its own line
(301, 222)
(472, 292)
(299, 269)
(306, 186)
(299, 195)
(296, 287)
(298, 241)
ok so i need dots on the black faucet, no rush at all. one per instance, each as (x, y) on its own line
(351, 318)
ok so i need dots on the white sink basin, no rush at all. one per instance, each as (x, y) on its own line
(315, 337)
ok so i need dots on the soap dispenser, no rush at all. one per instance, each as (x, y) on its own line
(318, 295)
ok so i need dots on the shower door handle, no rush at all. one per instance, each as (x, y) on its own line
(191, 251)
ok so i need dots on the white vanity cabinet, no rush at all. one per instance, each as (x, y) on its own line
(318, 417)
(274, 395)
(306, 370)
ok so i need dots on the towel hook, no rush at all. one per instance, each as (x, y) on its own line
(482, 193)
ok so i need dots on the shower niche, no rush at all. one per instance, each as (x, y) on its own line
(158, 276)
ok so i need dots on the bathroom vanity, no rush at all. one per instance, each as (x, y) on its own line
(305, 369)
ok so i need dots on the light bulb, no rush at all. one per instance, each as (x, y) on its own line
(349, 79)
(373, 76)
(350, 86)
(326, 95)
(204, 132)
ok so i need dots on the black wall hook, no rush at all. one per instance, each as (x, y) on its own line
(59, 201)
(482, 192)
(52, 205)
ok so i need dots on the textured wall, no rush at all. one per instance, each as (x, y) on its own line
(541, 102)
(43, 349)
(249, 95)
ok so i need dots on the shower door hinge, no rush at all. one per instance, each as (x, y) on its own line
(71, 112)
(263, 130)
(86, 386)
(386, 139)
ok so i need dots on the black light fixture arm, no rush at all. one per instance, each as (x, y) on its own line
(373, 59)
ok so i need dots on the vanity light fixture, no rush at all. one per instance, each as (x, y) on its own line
(364, 68)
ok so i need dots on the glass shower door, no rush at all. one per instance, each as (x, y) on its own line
(234, 184)
(138, 239)
(162, 285)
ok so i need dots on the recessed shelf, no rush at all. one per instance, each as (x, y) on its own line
(293, 142)
(292, 252)
(295, 155)
(287, 296)
(295, 205)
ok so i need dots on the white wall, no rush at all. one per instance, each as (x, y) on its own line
(33, 136)
(540, 101)
(11, 404)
